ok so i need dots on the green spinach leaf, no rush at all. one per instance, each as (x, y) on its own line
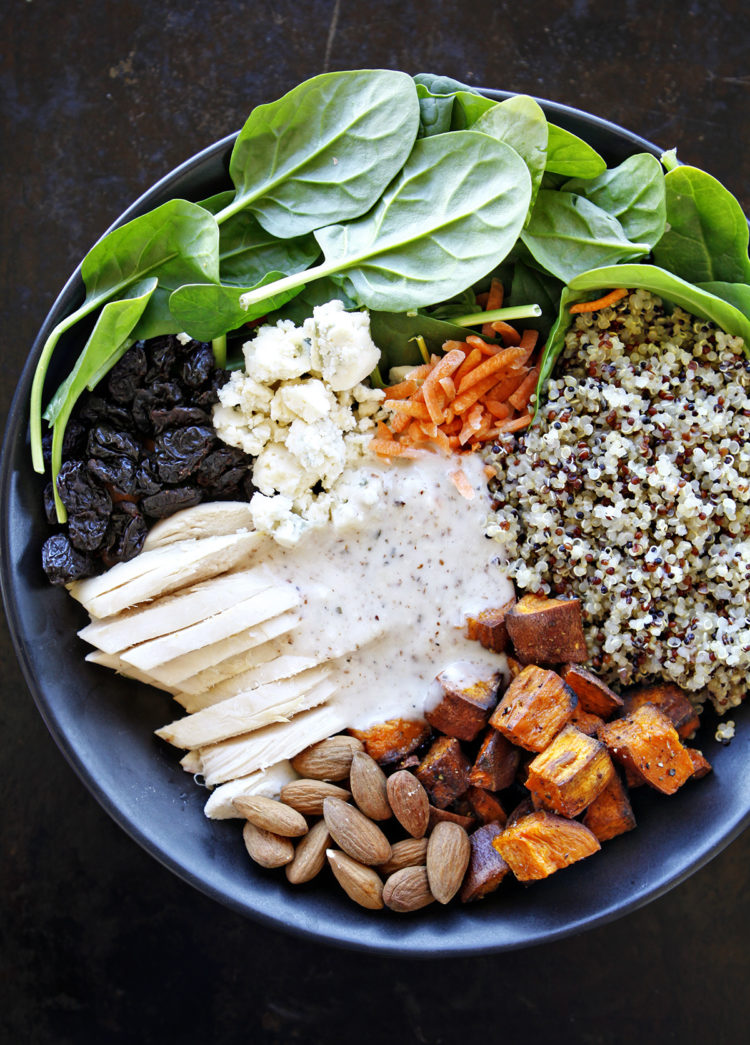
(737, 294)
(435, 112)
(633, 192)
(707, 233)
(207, 311)
(325, 151)
(568, 235)
(528, 284)
(467, 108)
(394, 333)
(520, 123)
(569, 155)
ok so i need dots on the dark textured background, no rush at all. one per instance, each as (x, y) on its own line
(98, 942)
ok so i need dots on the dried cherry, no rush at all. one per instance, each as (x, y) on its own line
(63, 563)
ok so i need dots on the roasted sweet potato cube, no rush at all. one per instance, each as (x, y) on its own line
(515, 667)
(646, 740)
(444, 772)
(541, 843)
(496, 763)
(593, 695)
(610, 814)
(547, 631)
(535, 706)
(486, 805)
(393, 740)
(438, 815)
(465, 696)
(671, 700)
(569, 774)
(586, 722)
(701, 765)
(488, 627)
(486, 868)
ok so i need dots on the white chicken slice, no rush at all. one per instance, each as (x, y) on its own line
(266, 782)
(209, 519)
(284, 667)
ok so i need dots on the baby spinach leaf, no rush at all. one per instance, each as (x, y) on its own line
(570, 155)
(707, 233)
(325, 151)
(206, 311)
(435, 112)
(177, 242)
(520, 123)
(633, 193)
(737, 294)
(451, 215)
(394, 333)
(467, 108)
(108, 342)
(567, 235)
(528, 284)
(437, 84)
(301, 306)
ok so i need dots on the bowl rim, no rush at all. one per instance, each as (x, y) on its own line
(399, 944)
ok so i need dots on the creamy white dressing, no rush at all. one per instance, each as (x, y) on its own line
(386, 591)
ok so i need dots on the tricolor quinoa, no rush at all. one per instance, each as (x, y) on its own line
(633, 492)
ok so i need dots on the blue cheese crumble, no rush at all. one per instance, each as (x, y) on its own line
(300, 407)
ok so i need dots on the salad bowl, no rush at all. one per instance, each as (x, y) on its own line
(104, 724)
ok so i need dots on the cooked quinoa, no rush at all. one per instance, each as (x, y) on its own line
(633, 493)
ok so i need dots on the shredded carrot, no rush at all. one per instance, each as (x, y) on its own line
(464, 398)
(594, 306)
(462, 484)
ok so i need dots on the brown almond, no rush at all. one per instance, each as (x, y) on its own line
(328, 759)
(306, 796)
(266, 848)
(407, 890)
(358, 836)
(310, 854)
(271, 815)
(411, 852)
(369, 787)
(409, 802)
(448, 855)
(360, 883)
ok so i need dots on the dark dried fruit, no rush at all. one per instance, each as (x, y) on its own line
(94, 410)
(119, 472)
(210, 395)
(62, 563)
(126, 377)
(178, 417)
(146, 479)
(160, 505)
(125, 534)
(179, 451)
(109, 444)
(74, 442)
(196, 366)
(161, 354)
(50, 510)
(160, 395)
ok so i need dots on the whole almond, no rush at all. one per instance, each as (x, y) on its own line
(360, 883)
(359, 837)
(328, 759)
(306, 796)
(266, 848)
(448, 854)
(271, 815)
(369, 787)
(409, 802)
(310, 854)
(411, 852)
(407, 890)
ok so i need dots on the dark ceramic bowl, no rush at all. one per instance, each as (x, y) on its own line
(104, 724)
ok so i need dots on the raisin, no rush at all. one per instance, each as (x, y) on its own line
(125, 534)
(210, 395)
(218, 462)
(88, 505)
(162, 352)
(118, 472)
(50, 510)
(197, 365)
(146, 480)
(167, 502)
(179, 417)
(161, 394)
(179, 451)
(94, 410)
(109, 444)
(62, 563)
(126, 377)
(74, 442)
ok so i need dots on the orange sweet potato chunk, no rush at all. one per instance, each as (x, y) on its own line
(570, 773)
(547, 631)
(393, 740)
(542, 843)
(701, 765)
(469, 695)
(671, 700)
(496, 763)
(444, 772)
(594, 696)
(488, 627)
(535, 706)
(647, 742)
(486, 805)
(610, 814)
(486, 867)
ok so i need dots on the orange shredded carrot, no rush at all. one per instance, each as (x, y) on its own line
(410, 407)
(520, 398)
(390, 448)
(603, 302)
(498, 410)
(509, 334)
(496, 364)
(494, 300)
(402, 390)
(474, 357)
(513, 425)
(434, 396)
(447, 385)
(462, 484)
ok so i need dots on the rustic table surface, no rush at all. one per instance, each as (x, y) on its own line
(99, 942)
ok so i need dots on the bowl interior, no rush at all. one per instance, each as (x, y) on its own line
(104, 724)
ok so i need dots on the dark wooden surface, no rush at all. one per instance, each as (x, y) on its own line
(98, 942)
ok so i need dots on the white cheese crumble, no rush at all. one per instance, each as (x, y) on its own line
(300, 408)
